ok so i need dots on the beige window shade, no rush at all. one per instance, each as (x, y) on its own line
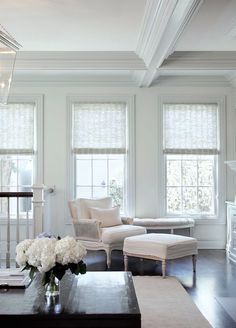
(190, 129)
(17, 129)
(99, 128)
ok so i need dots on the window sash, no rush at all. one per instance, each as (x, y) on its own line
(107, 187)
(200, 215)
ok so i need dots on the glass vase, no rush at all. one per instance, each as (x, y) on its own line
(53, 287)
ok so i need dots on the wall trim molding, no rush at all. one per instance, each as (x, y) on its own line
(60, 81)
(211, 244)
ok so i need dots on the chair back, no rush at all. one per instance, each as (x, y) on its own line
(79, 208)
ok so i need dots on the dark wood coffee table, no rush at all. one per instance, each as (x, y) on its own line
(96, 299)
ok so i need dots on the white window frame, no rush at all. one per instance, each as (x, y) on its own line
(220, 179)
(130, 167)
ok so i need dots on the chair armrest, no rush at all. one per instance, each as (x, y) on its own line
(87, 229)
(127, 220)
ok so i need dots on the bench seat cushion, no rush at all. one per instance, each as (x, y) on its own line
(162, 246)
(166, 222)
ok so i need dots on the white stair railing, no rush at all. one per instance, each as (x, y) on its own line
(20, 225)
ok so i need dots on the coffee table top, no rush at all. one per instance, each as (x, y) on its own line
(94, 293)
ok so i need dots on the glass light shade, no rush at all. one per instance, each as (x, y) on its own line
(8, 50)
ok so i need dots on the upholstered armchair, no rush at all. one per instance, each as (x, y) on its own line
(98, 225)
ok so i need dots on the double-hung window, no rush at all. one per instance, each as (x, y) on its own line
(100, 146)
(191, 149)
(17, 153)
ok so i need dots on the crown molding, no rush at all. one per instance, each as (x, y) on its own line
(164, 22)
(50, 80)
(200, 60)
(78, 60)
(193, 81)
(231, 77)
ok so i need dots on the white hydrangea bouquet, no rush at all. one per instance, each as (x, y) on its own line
(52, 257)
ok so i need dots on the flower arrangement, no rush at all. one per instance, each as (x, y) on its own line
(51, 256)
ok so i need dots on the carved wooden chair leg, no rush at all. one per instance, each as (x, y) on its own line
(163, 266)
(194, 259)
(108, 253)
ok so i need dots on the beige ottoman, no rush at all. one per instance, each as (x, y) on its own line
(160, 247)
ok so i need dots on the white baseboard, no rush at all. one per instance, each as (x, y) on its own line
(211, 244)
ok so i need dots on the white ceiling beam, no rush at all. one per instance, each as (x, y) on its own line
(164, 22)
(200, 60)
(78, 60)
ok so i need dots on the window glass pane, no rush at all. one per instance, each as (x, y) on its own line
(93, 173)
(173, 172)
(116, 191)
(99, 156)
(9, 171)
(116, 171)
(80, 156)
(83, 172)
(99, 172)
(190, 200)
(174, 200)
(189, 172)
(25, 170)
(84, 192)
(99, 192)
(205, 173)
(205, 200)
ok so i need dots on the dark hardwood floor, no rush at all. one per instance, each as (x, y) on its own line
(215, 277)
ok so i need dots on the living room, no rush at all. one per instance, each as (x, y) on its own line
(166, 73)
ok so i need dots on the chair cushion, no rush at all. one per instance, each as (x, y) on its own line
(163, 246)
(166, 222)
(84, 204)
(108, 217)
(117, 234)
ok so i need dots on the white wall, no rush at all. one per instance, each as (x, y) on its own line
(147, 161)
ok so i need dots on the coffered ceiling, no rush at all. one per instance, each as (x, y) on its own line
(129, 42)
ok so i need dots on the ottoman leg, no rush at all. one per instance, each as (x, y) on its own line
(163, 266)
(126, 262)
(194, 259)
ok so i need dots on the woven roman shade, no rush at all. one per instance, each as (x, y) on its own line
(17, 128)
(99, 128)
(190, 129)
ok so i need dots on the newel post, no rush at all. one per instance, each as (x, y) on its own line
(38, 208)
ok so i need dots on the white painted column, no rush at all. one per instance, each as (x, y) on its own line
(38, 208)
